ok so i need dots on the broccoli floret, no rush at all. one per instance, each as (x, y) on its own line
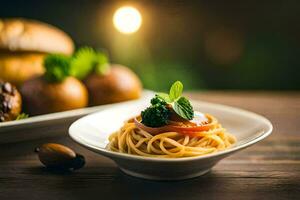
(156, 115)
(158, 100)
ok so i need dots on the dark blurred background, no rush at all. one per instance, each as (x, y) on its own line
(206, 44)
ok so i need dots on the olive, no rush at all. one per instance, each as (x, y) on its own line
(57, 156)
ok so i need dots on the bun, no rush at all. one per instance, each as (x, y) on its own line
(30, 35)
(18, 67)
(23, 45)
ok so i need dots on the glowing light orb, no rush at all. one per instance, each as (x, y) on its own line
(127, 19)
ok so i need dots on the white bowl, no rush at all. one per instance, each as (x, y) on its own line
(92, 132)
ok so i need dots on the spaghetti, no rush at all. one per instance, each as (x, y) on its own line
(132, 139)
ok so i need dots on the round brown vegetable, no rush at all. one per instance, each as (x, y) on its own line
(57, 156)
(119, 84)
(41, 96)
(10, 102)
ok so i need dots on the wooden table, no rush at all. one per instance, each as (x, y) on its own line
(268, 170)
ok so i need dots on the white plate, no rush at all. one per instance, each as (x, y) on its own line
(92, 132)
(52, 124)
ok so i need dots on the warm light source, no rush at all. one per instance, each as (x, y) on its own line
(127, 19)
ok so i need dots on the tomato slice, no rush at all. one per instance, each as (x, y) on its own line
(187, 130)
(198, 128)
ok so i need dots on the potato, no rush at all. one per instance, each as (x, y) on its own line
(120, 84)
(40, 96)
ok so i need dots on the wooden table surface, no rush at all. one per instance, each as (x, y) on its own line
(267, 170)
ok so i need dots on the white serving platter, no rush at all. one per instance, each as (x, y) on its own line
(54, 124)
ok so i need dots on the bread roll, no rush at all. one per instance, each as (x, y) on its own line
(23, 45)
(30, 35)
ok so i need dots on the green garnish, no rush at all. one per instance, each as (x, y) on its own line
(86, 60)
(157, 100)
(83, 62)
(57, 67)
(102, 63)
(180, 105)
(22, 116)
(175, 91)
(159, 112)
(184, 108)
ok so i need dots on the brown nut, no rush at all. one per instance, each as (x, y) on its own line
(57, 156)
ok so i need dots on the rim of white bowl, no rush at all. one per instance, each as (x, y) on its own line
(112, 154)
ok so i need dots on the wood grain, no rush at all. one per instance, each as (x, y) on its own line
(268, 170)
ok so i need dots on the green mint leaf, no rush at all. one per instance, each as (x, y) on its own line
(164, 97)
(175, 91)
(184, 108)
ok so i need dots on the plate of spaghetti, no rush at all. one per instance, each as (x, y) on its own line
(170, 137)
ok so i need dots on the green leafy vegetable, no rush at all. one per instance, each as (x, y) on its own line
(157, 114)
(57, 67)
(102, 63)
(22, 116)
(158, 100)
(86, 60)
(82, 62)
(180, 105)
(184, 108)
(165, 97)
(175, 91)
